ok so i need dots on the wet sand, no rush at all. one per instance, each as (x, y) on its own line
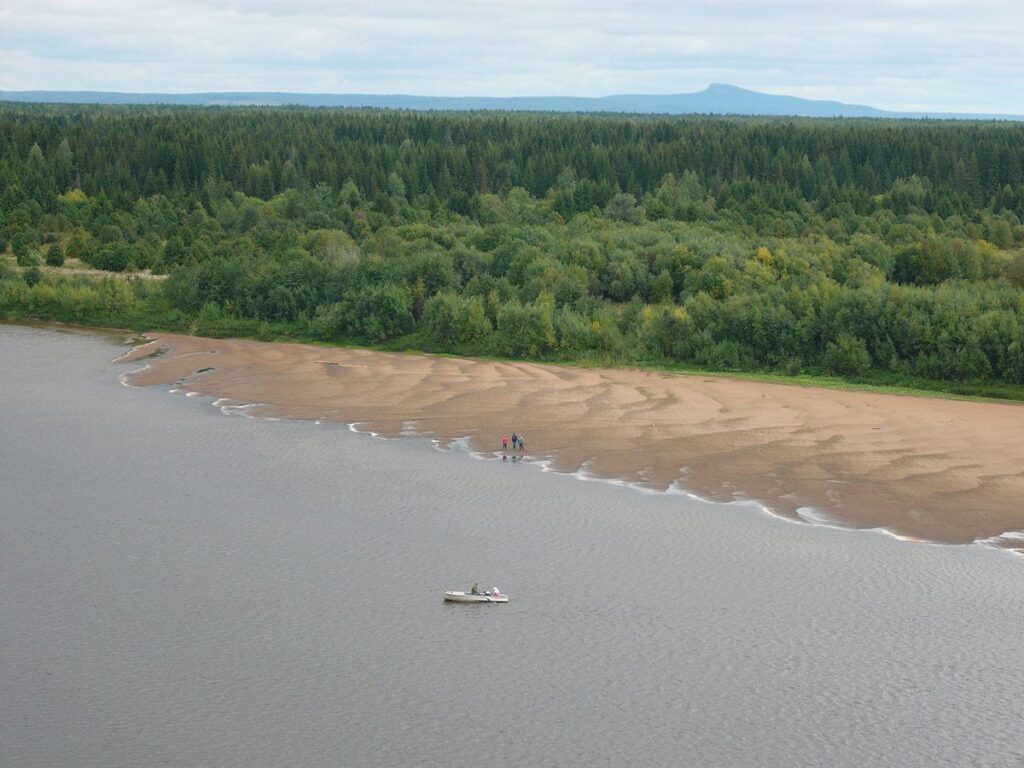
(938, 470)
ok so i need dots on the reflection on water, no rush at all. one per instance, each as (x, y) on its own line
(184, 587)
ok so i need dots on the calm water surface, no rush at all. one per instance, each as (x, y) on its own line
(180, 587)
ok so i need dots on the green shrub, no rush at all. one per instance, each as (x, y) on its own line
(453, 321)
(848, 356)
(28, 259)
(31, 276)
(55, 255)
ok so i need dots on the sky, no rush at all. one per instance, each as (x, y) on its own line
(907, 55)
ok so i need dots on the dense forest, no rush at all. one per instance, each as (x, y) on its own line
(873, 250)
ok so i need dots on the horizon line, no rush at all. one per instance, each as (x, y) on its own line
(710, 88)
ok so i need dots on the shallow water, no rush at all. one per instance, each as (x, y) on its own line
(183, 587)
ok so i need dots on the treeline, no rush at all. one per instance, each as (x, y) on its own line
(749, 165)
(872, 250)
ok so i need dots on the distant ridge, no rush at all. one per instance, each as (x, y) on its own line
(717, 99)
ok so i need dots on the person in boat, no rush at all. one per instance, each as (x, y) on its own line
(475, 590)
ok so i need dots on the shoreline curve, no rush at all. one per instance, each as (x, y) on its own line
(942, 471)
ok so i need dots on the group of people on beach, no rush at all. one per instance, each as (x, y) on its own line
(518, 442)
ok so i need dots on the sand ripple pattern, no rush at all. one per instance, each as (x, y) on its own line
(933, 469)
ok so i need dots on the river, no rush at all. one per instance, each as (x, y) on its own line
(185, 587)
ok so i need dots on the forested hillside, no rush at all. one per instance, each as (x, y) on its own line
(887, 251)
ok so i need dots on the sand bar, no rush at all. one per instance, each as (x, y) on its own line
(939, 470)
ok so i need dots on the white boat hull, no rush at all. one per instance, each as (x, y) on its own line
(468, 597)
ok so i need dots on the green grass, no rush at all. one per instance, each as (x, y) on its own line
(148, 318)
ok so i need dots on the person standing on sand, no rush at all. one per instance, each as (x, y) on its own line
(504, 443)
(515, 440)
(522, 444)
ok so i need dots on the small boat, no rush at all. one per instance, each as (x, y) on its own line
(494, 596)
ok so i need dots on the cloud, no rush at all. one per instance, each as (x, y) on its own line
(898, 54)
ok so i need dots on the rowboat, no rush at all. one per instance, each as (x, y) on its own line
(469, 597)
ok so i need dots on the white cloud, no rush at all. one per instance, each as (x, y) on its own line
(899, 54)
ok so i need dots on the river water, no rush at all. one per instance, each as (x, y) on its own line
(182, 587)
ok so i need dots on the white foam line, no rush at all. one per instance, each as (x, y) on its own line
(464, 445)
(354, 427)
(584, 474)
(1012, 535)
(677, 489)
(241, 409)
(818, 518)
(145, 344)
(1003, 542)
(133, 350)
(226, 405)
(123, 378)
(905, 537)
(810, 516)
(815, 516)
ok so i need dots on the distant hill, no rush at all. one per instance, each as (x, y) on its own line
(715, 99)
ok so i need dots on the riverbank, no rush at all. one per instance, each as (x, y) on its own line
(938, 470)
(273, 589)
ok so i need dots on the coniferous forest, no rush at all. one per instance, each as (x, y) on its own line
(880, 251)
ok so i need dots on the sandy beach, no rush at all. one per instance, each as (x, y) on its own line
(933, 469)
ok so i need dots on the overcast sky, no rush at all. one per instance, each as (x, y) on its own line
(937, 55)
